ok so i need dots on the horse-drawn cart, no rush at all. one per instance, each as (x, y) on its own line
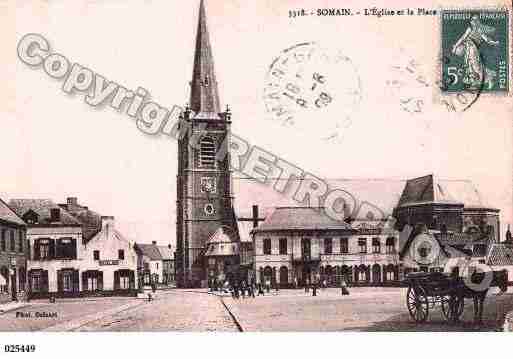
(426, 290)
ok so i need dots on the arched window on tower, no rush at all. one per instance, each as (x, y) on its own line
(207, 152)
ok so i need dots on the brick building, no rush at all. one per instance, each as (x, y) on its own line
(13, 250)
(55, 241)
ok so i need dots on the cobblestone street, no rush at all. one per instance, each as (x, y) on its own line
(366, 309)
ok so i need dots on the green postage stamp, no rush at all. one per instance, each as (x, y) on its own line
(475, 50)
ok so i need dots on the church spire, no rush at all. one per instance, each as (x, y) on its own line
(204, 101)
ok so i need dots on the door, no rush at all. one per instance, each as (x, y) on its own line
(13, 285)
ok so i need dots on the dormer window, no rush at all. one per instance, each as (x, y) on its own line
(30, 217)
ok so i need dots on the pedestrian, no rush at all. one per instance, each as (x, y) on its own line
(324, 284)
(295, 282)
(260, 289)
(343, 287)
(307, 285)
(243, 290)
(251, 290)
(314, 293)
(268, 285)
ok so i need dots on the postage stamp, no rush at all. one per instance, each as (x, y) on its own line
(475, 50)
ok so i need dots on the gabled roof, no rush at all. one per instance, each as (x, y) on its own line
(245, 228)
(149, 250)
(166, 253)
(8, 215)
(222, 243)
(90, 220)
(377, 195)
(300, 218)
(500, 255)
(42, 207)
(429, 189)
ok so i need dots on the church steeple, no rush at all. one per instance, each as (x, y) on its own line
(204, 101)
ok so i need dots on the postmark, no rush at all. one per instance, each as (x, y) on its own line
(475, 51)
(314, 89)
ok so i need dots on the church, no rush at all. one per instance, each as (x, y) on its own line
(291, 243)
(205, 214)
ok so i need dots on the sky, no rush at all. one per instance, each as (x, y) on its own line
(54, 145)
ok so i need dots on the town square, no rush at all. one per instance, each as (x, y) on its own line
(198, 218)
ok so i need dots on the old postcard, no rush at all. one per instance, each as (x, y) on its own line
(256, 166)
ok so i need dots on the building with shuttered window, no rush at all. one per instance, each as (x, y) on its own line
(54, 240)
(13, 249)
(109, 262)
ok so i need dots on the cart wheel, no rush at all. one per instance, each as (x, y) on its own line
(418, 305)
(452, 307)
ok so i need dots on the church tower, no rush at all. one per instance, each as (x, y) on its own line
(204, 199)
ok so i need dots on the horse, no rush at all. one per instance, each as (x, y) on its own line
(477, 293)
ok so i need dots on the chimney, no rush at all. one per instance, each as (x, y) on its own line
(72, 201)
(55, 215)
(255, 216)
(107, 221)
(154, 243)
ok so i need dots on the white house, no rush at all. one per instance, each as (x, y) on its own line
(109, 262)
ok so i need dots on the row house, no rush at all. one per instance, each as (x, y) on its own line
(74, 251)
(109, 262)
(54, 240)
(300, 245)
(13, 254)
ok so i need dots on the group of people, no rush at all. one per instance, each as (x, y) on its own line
(244, 289)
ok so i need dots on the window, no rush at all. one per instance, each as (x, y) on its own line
(362, 245)
(328, 246)
(36, 282)
(96, 255)
(20, 242)
(2, 243)
(66, 248)
(44, 249)
(283, 245)
(376, 246)
(390, 243)
(207, 152)
(344, 248)
(121, 254)
(267, 245)
(67, 281)
(12, 241)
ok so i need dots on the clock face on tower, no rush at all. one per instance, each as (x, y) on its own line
(208, 185)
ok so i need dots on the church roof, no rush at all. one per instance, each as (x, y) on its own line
(379, 195)
(204, 100)
(429, 189)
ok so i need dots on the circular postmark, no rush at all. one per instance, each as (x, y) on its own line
(313, 89)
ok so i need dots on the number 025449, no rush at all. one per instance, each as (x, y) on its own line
(19, 348)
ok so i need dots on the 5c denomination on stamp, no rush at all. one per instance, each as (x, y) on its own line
(475, 50)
